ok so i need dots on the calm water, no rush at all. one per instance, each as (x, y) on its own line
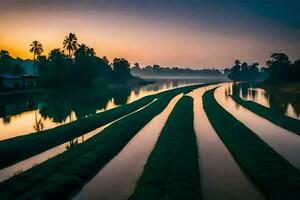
(285, 103)
(37, 159)
(221, 177)
(286, 143)
(118, 178)
(32, 113)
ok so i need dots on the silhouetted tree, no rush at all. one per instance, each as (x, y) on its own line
(105, 60)
(245, 72)
(121, 69)
(70, 43)
(279, 67)
(36, 48)
(5, 62)
(235, 71)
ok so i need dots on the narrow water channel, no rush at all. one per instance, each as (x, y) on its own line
(269, 100)
(118, 178)
(221, 177)
(42, 157)
(283, 141)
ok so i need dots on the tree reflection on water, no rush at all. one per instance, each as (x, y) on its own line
(277, 101)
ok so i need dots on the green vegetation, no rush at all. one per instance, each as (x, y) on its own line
(81, 67)
(272, 115)
(10, 65)
(276, 177)
(22, 147)
(279, 70)
(244, 72)
(172, 170)
(63, 175)
(282, 70)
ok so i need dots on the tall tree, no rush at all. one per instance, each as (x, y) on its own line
(70, 43)
(121, 69)
(280, 68)
(36, 49)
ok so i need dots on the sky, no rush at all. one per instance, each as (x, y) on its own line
(183, 33)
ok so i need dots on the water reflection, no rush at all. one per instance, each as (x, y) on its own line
(221, 176)
(286, 143)
(287, 103)
(27, 113)
(39, 158)
(110, 183)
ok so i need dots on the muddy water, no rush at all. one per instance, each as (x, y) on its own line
(42, 157)
(118, 178)
(283, 141)
(221, 176)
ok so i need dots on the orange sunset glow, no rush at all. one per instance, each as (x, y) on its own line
(121, 32)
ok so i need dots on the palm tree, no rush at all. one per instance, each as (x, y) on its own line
(70, 43)
(36, 49)
(83, 48)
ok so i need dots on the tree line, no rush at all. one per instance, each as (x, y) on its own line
(157, 70)
(9, 65)
(79, 66)
(282, 69)
(246, 72)
(74, 65)
(279, 70)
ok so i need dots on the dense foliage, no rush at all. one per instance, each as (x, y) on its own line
(60, 70)
(9, 65)
(79, 67)
(279, 70)
(245, 72)
(282, 69)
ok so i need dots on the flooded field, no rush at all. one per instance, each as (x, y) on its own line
(126, 144)
(33, 113)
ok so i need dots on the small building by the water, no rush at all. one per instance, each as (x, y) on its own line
(12, 81)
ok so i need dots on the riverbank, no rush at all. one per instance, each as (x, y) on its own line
(133, 82)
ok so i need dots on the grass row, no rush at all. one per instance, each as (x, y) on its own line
(272, 115)
(277, 178)
(19, 148)
(63, 175)
(172, 170)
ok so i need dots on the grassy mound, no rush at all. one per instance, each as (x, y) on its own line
(172, 170)
(272, 115)
(277, 178)
(19, 148)
(63, 175)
